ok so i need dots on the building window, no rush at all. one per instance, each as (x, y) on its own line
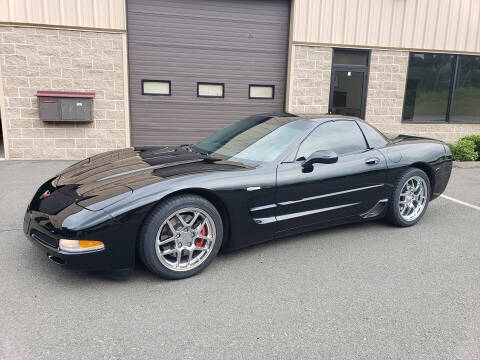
(211, 90)
(466, 94)
(156, 87)
(428, 86)
(261, 91)
(442, 88)
(350, 57)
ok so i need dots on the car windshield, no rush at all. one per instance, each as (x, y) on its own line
(261, 140)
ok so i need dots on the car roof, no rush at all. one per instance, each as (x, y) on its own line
(315, 118)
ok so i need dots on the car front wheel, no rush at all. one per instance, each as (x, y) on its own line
(181, 237)
(410, 198)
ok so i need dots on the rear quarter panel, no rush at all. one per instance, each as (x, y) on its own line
(428, 155)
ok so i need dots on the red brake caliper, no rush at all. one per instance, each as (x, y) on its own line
(200, 242)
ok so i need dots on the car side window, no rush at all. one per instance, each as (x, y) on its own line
(375, 139)
(342, 137)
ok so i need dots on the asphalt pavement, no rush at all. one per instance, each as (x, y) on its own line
(362, 291)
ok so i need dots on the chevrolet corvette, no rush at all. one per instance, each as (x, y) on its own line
(265, 177)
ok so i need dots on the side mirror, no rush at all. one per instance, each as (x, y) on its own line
(320, 157)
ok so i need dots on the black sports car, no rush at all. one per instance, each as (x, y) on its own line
(261, 178)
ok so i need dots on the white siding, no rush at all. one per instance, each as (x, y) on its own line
(435, 25)
(96, 14)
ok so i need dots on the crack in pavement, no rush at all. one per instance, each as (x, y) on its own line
(5, 230)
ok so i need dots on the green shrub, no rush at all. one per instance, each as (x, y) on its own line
(452, 148)
(465, 151)
(475, 139)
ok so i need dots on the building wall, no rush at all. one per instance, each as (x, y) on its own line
(390, 29)
(440, 25)
(35, 59)
(310, 91)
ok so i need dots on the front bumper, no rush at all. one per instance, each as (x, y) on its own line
(47, 241)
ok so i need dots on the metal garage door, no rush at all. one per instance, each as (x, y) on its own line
(233, 42)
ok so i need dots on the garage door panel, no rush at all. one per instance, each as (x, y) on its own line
(262, 11)
(236, 43)
(145, 54)
(204, 28)
(222, 36)
(242, 66)
(235, 69)
(201, 111)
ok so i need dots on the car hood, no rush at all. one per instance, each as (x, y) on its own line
(104, 179)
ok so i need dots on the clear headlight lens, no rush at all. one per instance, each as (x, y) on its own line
(76, 246)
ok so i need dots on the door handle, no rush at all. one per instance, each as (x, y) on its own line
(372, 161)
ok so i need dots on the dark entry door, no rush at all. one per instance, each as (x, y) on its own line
(196, 66)
(349, 83)
(348, 90)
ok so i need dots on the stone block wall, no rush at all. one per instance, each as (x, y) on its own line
(386, 88)
(35, 59)
(311, 80)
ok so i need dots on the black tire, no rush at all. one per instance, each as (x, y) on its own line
(148, 233)
(393, 213)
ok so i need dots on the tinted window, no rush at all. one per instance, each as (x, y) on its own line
(253, 139)
(343, 137)
(428, 87)
(350, 57)
(374, 137)
(466, 104)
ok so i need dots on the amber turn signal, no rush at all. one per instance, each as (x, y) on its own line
(68, 245)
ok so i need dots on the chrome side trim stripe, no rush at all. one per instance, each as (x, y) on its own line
(330, 194)
(310, 212)
(266, 220)
(264, 207)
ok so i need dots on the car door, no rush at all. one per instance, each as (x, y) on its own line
(328, 193)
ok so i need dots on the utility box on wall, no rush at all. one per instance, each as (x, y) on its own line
(65, 106)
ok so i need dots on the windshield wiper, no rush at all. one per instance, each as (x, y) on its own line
(193, 148)
(198, 151)
(186, 147)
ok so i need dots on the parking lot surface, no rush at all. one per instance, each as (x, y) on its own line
(362, 291)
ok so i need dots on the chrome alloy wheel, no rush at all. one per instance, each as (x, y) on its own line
(413, 198)
(185, 239)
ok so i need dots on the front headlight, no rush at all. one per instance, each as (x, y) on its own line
(78, 246)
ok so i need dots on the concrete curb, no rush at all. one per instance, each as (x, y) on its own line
(466, 164)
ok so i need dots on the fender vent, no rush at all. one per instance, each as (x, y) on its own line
(376, 210)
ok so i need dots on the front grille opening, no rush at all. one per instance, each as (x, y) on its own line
(45, 239)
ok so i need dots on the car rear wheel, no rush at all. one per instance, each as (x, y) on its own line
(181, 237)
(410, 198)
